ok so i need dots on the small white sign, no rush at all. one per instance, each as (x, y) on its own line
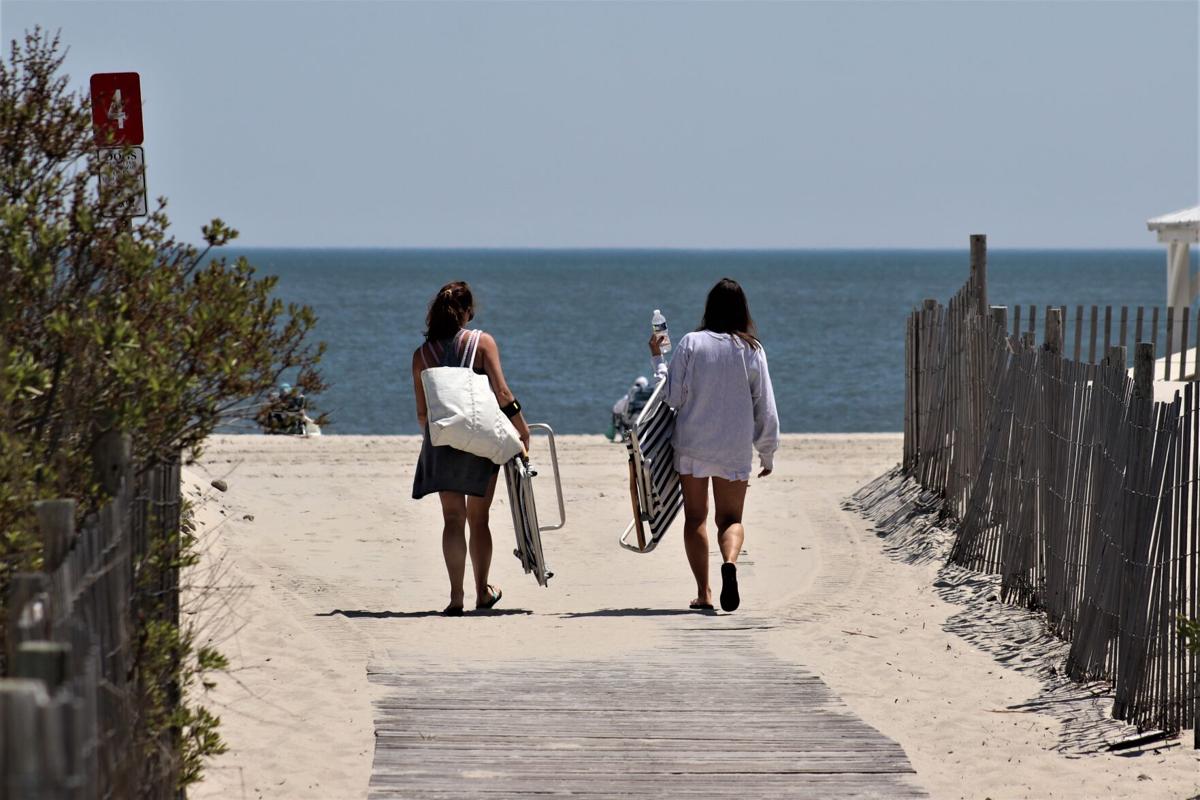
(126, 160)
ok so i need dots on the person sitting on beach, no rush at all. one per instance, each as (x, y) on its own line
(294, 405)
(465, 482)
(719, 385)
(284, 411)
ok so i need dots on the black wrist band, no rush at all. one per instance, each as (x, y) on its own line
(512, 409)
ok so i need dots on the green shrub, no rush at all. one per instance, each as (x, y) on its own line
(110, 323)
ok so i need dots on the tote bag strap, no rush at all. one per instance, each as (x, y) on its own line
(469, 350)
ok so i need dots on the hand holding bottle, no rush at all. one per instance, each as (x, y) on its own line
(656, 344)
(658, 327)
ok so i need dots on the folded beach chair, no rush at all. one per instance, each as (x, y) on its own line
(519, 475)
(653, 482)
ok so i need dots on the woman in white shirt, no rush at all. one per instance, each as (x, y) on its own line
(719, 385)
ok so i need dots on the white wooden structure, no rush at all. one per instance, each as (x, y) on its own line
(1179, 230)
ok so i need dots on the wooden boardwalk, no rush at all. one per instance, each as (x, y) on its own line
(711, 716)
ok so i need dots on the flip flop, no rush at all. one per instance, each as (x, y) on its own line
(495, 598)
(696, 605)
(730, 599)
(452, 611)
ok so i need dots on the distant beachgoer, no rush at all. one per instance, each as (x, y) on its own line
(465, 482)
(626, 410)
(284, 412)
(719, 385)
(294, 405)
(273, 413)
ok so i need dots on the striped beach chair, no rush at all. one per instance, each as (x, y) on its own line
(519, 475)
(653, 482)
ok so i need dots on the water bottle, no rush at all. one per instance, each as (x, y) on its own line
(658, 324)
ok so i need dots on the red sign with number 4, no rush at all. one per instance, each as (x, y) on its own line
(117, 108)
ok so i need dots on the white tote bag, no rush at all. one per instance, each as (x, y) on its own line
(463, 412)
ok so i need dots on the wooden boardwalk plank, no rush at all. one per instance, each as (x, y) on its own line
(640, 725)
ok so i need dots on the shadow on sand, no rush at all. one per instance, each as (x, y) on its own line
(355, 613)
(637, 612)
(1014, 636)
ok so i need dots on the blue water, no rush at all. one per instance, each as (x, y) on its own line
(573, 325)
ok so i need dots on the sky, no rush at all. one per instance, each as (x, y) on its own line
(668, 124)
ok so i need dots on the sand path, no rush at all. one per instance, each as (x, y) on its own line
(338, 573)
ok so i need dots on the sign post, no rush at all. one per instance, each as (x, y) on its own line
(117, 125)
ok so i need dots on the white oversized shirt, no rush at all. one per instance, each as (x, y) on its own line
(721, 389)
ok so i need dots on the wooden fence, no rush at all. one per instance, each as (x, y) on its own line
(1068, 480)
(71, 722)
(1090, 332)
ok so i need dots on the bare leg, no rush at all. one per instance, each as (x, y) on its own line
(454, 542)
(729, 498)
(478, 509)
(695, 537)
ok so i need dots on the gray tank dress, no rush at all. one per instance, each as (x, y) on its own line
(445, 469)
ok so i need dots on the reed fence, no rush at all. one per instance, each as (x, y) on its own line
(1068, 480)
(1090, 332)
(72, 715)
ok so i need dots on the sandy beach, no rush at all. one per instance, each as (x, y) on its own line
(327, 572)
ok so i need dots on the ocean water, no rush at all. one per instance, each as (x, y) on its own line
(573, 325)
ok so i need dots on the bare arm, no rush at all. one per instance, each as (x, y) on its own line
(676, 376)
(489, 351)
(418, 389)
(766, 418)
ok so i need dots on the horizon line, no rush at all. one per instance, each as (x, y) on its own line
(673, 249)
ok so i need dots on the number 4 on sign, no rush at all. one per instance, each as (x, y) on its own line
(116, 110)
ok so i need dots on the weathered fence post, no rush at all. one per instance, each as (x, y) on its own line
(1170, 343)
(56, 522)
(927, 305)
(1143, 371)
(999, 315)
(22, 587)
(1117, 357)
(979, 273)
(1054, 331)
(44, 661)
(111, 455)
(21, 708)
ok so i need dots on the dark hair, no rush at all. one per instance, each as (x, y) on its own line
(726, 311)
(452, 308)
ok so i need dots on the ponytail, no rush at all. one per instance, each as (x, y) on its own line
(452, 308)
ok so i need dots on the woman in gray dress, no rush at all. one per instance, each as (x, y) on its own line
(464, 482)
